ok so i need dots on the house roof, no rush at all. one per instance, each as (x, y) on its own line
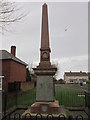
(76, 73)
(5, 55)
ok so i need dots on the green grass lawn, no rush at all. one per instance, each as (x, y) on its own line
(26, 99)
(70, 97)
(66, 96)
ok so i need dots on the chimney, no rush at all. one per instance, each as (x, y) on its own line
(13, 50)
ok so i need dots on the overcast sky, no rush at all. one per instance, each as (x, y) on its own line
(68, 35)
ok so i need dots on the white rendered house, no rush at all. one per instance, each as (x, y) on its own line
(76, 77)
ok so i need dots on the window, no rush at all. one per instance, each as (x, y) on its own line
(82, 80)
(73, 80)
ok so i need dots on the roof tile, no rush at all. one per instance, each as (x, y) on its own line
(6, 55)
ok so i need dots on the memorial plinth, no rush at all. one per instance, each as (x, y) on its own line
(45, 94)
(45, 107)
(45, 84)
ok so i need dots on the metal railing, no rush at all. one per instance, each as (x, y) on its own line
(14, 101)
(28, 116)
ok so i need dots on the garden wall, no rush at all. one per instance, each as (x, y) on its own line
(27, 86)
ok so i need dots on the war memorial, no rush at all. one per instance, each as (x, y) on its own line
(45, 90)
(45, 99)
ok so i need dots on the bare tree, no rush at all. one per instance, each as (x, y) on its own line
(10, 12)
(56, 65)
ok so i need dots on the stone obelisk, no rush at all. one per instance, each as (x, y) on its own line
(45, 72)
(45, 97)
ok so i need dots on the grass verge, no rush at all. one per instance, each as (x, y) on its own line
(66, 96)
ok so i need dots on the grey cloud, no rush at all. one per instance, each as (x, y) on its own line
(26, 34)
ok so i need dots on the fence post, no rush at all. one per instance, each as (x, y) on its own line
(85, 99)
(61, 97)
(70, 118)
(17, 116)
(5, 102)
(9, 116)
(16, 92)
(79, 117)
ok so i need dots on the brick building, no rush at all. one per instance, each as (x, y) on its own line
(76, 77)
(13, 70)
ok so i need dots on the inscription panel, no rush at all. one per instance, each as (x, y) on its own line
(45, 88)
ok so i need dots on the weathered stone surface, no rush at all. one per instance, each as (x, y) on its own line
(52, 109)
(45, 88)
(45, 101)
(45, 107)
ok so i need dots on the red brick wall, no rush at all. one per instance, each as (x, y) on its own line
(5, 85)
(17, 72)
(5, 73)
(12, 71)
